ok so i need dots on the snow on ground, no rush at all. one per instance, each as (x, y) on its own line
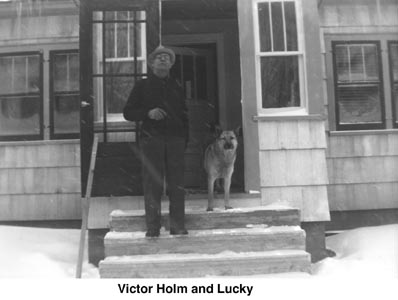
(52, 253)
(363, 252)
(41, 253)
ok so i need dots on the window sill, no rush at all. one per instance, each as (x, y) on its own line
(115, 126)
(363, 132)
(262, 118)
(40, 142)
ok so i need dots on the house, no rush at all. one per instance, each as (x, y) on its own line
(313, 84)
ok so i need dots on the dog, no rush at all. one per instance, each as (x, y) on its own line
(219, 160)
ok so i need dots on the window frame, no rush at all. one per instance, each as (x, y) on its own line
(30, 137)
(355, 37)
(52, 93)
(300, 54)
(360, 126)
(391, 73)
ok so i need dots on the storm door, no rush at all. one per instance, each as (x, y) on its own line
(115, 37)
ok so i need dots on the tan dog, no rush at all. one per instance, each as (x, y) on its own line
(219, 162)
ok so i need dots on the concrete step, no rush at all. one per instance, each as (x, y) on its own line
(130, 221)
(202, 265)
(206, 241)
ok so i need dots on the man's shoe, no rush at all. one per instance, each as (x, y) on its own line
(178, 231)
(152, 233)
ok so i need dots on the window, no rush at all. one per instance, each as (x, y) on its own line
(363, 81)
(280, 54)
(393, 63)
(358, 85)
(21, 114)
(119, 60)
(64, 93)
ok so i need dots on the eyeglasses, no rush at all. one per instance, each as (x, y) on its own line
(164, 56)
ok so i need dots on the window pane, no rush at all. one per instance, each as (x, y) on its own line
(359, 94)
(201, 77)
(265, 28)
(188, 73)
(6, 77)
(359, 104)
(394, 60)
(280, 81)
(109, 39)
(393, 55)
(117, 92)
(291, 26)
(66, 114)
(135, 37)
(66, 72)
(122, 41)
(356, 62)
(124, 67)
(19, 115)
(277, 26)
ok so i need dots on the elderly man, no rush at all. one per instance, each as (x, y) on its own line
(158, 101)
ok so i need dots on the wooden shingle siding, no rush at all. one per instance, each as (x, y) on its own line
(40, 207)
(293, 166)
(40, 180)
(361, 196)
(360, 145)
(296, 134)
(312, 200)
(363, 170)
(358, 13)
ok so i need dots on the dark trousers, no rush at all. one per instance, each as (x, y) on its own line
(163, 157)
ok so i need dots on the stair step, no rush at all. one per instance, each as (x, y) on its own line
(202, 265)
(130, 221)
(206, 241)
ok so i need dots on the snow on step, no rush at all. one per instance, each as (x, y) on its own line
(226, 263)
(206, 241)
(194, 219)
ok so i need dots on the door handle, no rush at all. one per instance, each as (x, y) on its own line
(84, 104)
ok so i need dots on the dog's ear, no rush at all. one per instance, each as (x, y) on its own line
(238, 131)
(217, 130)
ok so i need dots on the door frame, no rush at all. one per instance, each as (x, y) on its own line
(218, 40)
(86, 65)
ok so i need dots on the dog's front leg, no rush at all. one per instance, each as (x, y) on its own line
(227, 185)
(210, 193)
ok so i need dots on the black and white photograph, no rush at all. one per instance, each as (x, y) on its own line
(207, 148)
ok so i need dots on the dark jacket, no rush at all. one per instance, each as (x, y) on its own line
(163, 93)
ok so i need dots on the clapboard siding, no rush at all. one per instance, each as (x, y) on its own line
(361, 196)
(363, 170)
(54, 180)
(295, 134)
(39, 155)
(40, 207)
(40, 180)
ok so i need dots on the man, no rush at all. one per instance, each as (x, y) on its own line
(159, 103)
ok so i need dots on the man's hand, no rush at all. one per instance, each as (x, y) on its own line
(157, 114)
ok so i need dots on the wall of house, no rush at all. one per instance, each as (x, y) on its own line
(39, 180)
(362, 165)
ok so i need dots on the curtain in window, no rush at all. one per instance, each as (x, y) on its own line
(20, 95)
